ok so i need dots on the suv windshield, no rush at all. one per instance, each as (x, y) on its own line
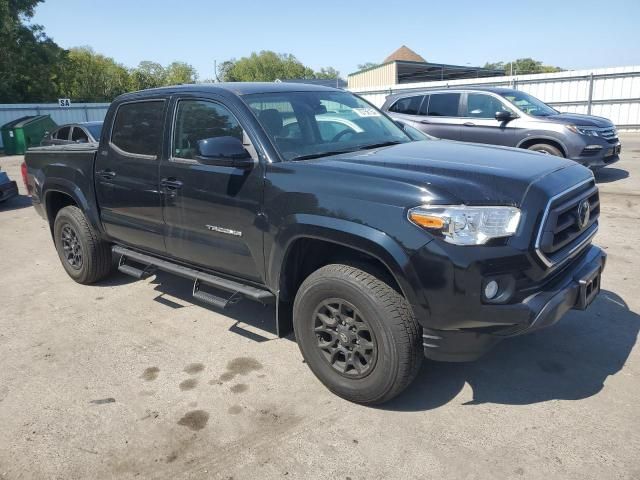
(530, 105)
(306, 125)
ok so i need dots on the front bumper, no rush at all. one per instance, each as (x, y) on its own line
(574, 288)
(7, 190)
(607, 154)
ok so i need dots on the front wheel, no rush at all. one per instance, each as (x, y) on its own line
(546, 149)
(84, 256)
(357, 334)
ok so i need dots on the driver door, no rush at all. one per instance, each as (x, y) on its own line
(210, 211)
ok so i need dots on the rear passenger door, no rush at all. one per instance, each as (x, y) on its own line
(126, 175)
(442, 118)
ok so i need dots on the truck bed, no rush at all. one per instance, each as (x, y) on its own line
(62, 167)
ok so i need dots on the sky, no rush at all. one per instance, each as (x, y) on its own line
(342, 34)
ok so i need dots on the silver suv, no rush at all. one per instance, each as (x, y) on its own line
(503, 116)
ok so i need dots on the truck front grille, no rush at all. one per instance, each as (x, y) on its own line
(569, 223)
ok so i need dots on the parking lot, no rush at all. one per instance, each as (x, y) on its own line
(130, 379)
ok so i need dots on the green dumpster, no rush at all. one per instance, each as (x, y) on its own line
(25, 132)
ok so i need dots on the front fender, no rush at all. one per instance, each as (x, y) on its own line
(352, 235)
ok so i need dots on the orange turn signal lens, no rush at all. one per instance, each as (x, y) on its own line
(426, 221)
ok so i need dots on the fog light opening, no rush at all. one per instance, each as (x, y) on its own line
(491, 290)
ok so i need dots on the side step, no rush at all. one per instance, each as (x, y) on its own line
(237, 289)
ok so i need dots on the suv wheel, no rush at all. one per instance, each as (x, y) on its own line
(546, 149)
(357, 334)
(84, 256)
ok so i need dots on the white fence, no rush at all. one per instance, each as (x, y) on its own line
(78, 112)
(613, 93)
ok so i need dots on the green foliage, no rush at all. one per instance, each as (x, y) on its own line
(178, 73)
(365, 66)
(268, 66)
(31, 64)
(91, 77)
(523, 66)
(327, 73)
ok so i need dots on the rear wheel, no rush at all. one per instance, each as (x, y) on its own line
(357, 334)
(547, 149)
(84, 256)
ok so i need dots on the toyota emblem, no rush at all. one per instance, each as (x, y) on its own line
(584, 214)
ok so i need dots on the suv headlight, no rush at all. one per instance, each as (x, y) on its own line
(589, 132)
(462, 225)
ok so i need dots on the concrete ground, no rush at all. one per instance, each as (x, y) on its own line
(130, 379)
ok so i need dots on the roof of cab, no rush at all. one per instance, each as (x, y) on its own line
(236, 88)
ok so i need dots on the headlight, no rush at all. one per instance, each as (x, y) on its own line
(589, 132)
(462, 225)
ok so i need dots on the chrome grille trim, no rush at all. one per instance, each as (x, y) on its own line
(576, 248)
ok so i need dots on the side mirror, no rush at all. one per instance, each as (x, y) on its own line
(504, 116)
(399, 124)
(223, 151)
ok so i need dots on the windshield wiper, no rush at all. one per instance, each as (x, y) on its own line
(318, 155)
(381, 144)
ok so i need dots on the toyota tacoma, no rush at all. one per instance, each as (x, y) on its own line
(376, 249)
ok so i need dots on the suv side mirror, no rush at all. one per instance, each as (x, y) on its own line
(223, 151)
(504, 116)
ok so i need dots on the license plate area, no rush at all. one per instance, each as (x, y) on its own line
(589, 287)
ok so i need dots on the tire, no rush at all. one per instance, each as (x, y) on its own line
(84, 256)
(389, 353)
(546, 149)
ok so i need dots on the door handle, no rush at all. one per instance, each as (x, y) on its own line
(171, 183)
(469, 124)
(107, 174)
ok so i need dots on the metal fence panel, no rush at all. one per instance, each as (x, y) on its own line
(609, 92)
(78, 112)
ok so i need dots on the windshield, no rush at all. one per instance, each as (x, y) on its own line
(314, 124)
(530, 105)
(95, 130)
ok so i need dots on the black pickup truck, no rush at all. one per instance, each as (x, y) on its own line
(377, 249)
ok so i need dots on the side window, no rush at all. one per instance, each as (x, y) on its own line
(407, 105)
(78, 135)
(198, 120)
(137, 128)
(480, 105)
(62, 134)
(444, 105)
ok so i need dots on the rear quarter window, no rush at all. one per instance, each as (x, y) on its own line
(137, 128)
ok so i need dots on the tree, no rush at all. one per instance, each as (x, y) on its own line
(265, 66)
(91, 77)
(31, 64)
(147, 75)
(523, 66)
(367, 65)
(178, 73)
(328, 73)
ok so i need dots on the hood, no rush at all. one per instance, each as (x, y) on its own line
(446, 172)
(578, 119)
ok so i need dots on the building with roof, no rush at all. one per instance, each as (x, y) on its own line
(406, 66)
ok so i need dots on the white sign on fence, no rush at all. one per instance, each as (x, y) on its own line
(64, 102)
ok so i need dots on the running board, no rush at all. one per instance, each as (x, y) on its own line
(237, 289)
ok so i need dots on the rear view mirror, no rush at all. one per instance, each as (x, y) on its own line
(223, 151)
(504, 116)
